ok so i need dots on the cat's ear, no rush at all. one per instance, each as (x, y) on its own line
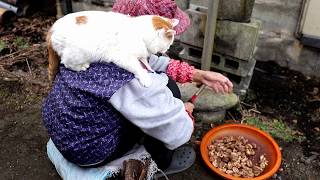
(170, 33)
(174, 22)
(161, 32)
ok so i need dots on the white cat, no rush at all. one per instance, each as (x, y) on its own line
(90, 36)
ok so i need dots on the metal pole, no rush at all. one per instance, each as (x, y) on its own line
(209, 34)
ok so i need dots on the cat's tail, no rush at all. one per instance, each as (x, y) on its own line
(53, 59)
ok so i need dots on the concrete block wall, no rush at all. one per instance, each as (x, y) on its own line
(277, 40)
(239, 71)
(235, 44)
(221, 62)
(100, 5)
(232, 38)
(235, 10)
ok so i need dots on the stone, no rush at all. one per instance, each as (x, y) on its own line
(208, 101)
(200, 2)
(233, 10)
(237, 39)
(232, 38)
(183, 4)
(209, 116)
(85, 5)
(278, 15)
(210, 107)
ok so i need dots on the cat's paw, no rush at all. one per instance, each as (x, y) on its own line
(145, 80)
(80, 67)
(84, 66)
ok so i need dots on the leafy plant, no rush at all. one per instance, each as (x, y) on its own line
(21, 43)
(2, 45)
(276, 128)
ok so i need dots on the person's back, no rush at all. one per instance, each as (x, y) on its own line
(80, 120)
(97, 115)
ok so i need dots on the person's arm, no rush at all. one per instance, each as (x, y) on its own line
(176, 70)
(182, 72)
(154, 110)
(159, 63)
(216, 81)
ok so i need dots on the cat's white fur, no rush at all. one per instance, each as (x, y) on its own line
(110, 37)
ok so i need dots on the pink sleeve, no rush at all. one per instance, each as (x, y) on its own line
(180, 71)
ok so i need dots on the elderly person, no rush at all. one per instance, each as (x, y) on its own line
(96, 116)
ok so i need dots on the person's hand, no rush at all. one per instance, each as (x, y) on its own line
(189, 107)
(215, 81)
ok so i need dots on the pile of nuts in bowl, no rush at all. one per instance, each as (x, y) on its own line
(234, 155)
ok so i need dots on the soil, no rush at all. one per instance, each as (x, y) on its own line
(277, 93)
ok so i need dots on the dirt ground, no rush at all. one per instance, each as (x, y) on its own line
(275, 92)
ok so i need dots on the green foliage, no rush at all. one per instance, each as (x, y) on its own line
(276, 128)
(21, 43)
(2, 45)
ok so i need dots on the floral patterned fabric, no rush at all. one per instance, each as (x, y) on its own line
(179, 71)
(80, 121)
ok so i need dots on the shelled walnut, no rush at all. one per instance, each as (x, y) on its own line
(234, 156)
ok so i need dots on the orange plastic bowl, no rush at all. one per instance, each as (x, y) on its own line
(265, 145)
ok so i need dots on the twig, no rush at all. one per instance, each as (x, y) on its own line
(23, 53)
(231, 116)
(314, 100)
(17, 52)
(9, 76)
(246, 104)
(28, 66)
(253, 110)
(11, 54)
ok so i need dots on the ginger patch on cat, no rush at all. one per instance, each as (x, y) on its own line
(81, 20)
(159, 23)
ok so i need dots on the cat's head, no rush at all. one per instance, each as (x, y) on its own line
(164, 34)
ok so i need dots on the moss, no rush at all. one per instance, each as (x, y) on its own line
(21, 43)
(2, 45)
(276, 128)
